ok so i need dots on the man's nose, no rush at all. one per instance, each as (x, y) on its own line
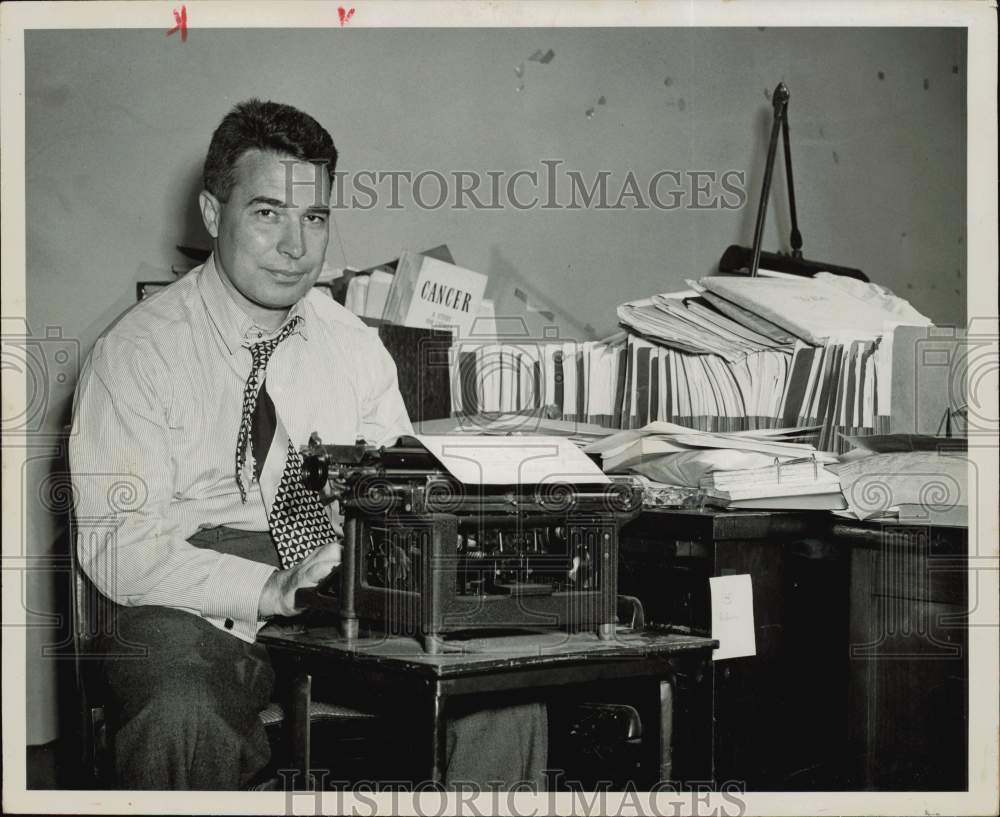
(292, 243)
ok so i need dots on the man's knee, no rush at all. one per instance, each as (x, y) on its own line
(188, 704)
(190, 735)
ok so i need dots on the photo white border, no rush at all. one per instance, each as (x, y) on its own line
(978, 17)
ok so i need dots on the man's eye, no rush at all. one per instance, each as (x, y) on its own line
(266, 212)
(316, 218)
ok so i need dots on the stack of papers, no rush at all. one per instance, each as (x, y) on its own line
(918, 479)
(818, 309)
(729, 354)
(689, 323)
(783, 350)
(751, 469)
(800, 484)
(621, 451)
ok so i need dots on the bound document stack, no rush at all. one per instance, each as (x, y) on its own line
(795, 484)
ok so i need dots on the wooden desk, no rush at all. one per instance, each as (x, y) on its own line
(779, 714)
(908, 654)
(673, 670)
(860, 680)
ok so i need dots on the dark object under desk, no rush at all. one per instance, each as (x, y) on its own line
(413, 688)
(842, 694)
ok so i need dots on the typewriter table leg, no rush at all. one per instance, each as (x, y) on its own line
(437, 734)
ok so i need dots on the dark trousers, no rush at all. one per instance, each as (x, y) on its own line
(184, 714)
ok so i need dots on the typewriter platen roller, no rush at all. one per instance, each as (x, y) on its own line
(430, 551)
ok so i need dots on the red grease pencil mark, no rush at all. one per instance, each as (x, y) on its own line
(181, 19)
(345, 15)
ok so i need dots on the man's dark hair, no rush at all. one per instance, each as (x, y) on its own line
(268, 126)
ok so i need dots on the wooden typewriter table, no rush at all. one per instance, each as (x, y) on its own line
(667, 678)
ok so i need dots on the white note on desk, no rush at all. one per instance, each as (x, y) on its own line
(732, 616)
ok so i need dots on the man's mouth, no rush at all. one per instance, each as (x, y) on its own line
(285, 275)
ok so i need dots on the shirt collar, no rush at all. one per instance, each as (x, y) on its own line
(233, 324)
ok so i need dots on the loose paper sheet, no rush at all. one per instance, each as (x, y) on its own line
(529, 460)
(732, 616)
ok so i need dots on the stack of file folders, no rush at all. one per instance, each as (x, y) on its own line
(621, 382)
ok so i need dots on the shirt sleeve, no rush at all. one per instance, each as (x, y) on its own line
(384, 417)
(120, 460)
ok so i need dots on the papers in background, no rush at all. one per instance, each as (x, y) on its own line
(894, 443)
(623, 382)
(795, 478)
(703, 361)
(794, 351)
(751, 469)
(626, 449)
(732, 616)
(357, 294)
(924, 483)
(818, 309)
(379, 284)
(493, 460)
(692, 324)
(839, 386)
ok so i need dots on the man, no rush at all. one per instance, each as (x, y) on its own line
(161, 404)
(196, 402)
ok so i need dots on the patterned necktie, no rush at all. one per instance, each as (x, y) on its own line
(297, 519)
(261, 353)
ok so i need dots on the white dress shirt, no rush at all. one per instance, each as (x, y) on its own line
(156, 414)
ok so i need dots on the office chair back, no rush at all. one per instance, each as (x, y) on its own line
(92, 616)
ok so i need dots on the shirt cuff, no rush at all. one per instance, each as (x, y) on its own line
(232, 593)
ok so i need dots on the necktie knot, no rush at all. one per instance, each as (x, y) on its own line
(262, 350)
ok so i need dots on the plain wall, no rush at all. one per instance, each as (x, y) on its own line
(118, 123)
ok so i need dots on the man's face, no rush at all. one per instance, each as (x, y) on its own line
(271, 234)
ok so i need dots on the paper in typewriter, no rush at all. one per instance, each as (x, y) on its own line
(491, 460)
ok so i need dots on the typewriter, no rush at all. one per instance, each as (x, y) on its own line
(449, 534)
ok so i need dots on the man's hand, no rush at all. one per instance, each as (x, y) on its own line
(278, 596)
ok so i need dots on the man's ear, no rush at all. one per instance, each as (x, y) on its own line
(211, 212)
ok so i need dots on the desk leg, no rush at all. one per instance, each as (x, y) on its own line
(348, 615)
(666, 730)
(437, 735)
(692, 751)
